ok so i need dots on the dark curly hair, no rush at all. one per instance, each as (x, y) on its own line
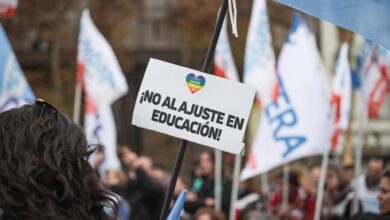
(44, 172)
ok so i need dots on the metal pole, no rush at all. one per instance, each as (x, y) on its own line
(218, 180)
(321, 184)
(286, 184)
(183, 144)
(236, 177)
(77, 104)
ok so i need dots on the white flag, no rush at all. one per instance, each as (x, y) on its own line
(223, 58)
(341, 97)
(375, 78)
(99, 125)
(103, 78)
(103, 83)
(259, 63)
(297, 124)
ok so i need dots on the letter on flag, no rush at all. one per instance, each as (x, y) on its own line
(103, 78)
(296, 124)
(14, 88)
(103, 82)
(259, 63)
(223, 59)
(375, 78)
(341, 97)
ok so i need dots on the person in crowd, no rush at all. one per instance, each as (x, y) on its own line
(383, 199)
(142, 191)
(44, 168)
(339, 196)
(208, 214)
(203, 186)
(384, 195)
(315, 173)
(368, 185)
(349, 172)
(297, 197)
(249, 197)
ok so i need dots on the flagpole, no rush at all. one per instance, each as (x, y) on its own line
(236, 177)
(285, 185)
(183, 144)
(321, 184)
(359, 152)
(218, 180)
(77, 103)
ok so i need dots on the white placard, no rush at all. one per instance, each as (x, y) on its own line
(194, 106)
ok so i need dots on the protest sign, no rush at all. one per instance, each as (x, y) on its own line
(194, 106)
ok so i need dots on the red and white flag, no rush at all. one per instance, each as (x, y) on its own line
(103, 82)
(341, 98)
(8, 7)
(375, 78)
(102, 76)
(297, 123)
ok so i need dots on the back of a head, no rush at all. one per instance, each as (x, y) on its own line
(44, 172)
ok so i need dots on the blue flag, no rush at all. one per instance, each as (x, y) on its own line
(369, 18)
(14, 88)
(176, 210)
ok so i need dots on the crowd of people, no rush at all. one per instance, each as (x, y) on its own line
(45, 174)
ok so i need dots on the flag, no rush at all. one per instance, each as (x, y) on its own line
(366, 17)
(341, 97)
(8, 7)
(296, 124)
(99, 125)
(103, 78)
(103, 82)
(375, 80)
(14, 88)
(259, 63)
(177, 208)
(223, 59)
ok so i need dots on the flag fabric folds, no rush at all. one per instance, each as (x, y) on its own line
(103, 82)
(352, 15)
(375, 79)
(223, 58)
(103, 77)
(259, 63)
(297, 123)
(341, 97)
(14, 88)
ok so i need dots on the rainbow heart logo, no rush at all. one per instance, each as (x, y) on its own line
(195, 83)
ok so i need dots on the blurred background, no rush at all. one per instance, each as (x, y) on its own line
(44, 33)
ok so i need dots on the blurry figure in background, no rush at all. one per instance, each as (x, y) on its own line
(295, 209)
(314, 179)
(98, 159)
(384, 201)
(142, 191)
(384, 195)
(44, 168)
(208, 214)
(349, 172)
(203, 185)
(249, 197)
(338, 197)
(368, 185)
